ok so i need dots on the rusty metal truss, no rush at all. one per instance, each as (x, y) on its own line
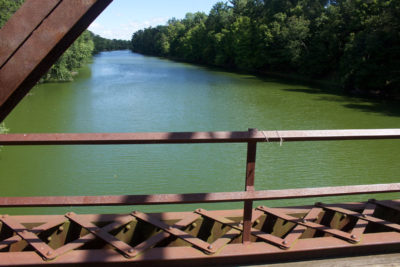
(34, 38)
(201, 236)
(31, 42)
(261, 234)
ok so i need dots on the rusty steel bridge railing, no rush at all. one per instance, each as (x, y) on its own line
(251, 137)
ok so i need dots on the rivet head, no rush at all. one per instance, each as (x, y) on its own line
(128, 227)
(257, 221)
(284, 242)
(199, 210)
(131, 250)
(364, 215)
(49, 253)
(61, 228)
(194, 224)
(303, 220)
(210, 247)
(49, 238)
(353, 236)
(170, 227)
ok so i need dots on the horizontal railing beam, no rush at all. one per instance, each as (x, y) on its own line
(58, 201)
(322, 135)
(127, 138)
(194, 137)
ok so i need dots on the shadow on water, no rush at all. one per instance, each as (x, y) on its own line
(327, 90)
(331, 92)
(379, 106)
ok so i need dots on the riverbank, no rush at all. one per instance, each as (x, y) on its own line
(357, 44)
(326, 85)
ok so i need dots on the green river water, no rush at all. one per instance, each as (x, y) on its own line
(125, 92)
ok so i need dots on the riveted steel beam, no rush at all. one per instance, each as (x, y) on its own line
(32, 239)
(361, 225)
(100, 233)
(303, 222)
(363, 216)
(175, 231)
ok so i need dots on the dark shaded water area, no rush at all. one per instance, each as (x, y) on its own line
(126, 92)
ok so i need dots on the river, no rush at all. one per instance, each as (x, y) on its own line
(125, 92)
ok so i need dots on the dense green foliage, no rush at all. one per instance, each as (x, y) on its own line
(355, 43)
(3, 128)
(72, 59)
(7, 8)
(103, 44)
(79, 53)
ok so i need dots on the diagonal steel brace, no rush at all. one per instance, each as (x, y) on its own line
(391, 225)
(173, 230)
(163, 235)
(302, 221)
(361, 225)
(104, 235)
(299, 230)
(41, 247)
(264, 236)
(43, 227)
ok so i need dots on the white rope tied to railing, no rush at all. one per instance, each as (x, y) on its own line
(280, 138)
(266, 137)
(277, 134)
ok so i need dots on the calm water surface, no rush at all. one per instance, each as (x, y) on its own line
(125, 92)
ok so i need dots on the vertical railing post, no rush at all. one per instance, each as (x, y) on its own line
(248, 204)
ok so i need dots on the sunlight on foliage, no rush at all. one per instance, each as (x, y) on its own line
(354, 43)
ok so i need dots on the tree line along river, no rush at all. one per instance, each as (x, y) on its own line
(126, 92)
